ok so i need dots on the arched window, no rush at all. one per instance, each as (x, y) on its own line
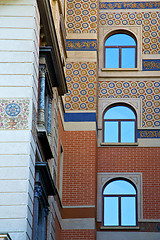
(120, 51)
(119, 124)
(119, 203)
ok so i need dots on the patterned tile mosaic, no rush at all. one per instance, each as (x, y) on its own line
(150, 22)
(81, 16)
(14, 114)
(81, 82)
(148, 91)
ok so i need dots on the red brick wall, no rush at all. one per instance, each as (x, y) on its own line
(144, 160)
(61, 141)
(78, 234)
(79, 168)
(58, 231)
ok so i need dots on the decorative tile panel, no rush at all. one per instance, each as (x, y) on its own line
(148, 91)
(130, 5)
(81, 16)
(81, 44)
(150, 22)
(151, 65)
(81, 82)
(14, 114)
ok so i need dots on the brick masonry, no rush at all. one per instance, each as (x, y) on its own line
(79, 234)
(79, 159)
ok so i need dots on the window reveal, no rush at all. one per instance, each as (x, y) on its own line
(119, 125)
(120, 51)
(119, 204)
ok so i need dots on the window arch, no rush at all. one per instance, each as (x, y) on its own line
(119, 199)
(120, 50)
(119, 124)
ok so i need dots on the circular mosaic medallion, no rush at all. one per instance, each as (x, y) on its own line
(67, 105)
(75, 92)
(91, 79)
(83, 99)
(91, 92)
(149, 123)
(117, 16)
(141, 91)
(67, 98)
(91, 99)
(82, 105)
(84, 72)
(119, 85)
(78, 12)
(147, 34)
(12, 109)
(157, 123)
(85, 19)
(83, 79)
(91, 106)
(126, 91)
(75, 105)
(146, 15)
(139, 15)
(131, 22)
(117, 22)
(124, 16)
(83, 85)
(93, 12)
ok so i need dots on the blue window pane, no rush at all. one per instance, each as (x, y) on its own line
(128, 58)
(111, 58)
(111, 211)
(127, 132)
(111, 132)
(128, 211)
(120, 40)
(119, 187)
(119, 112)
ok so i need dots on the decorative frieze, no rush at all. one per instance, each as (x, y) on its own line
(148, 133)
(151, 65)
(81, 44)
(130, 5)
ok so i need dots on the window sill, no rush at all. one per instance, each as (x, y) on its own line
(119, 144)
(120, 228)
(119, 69)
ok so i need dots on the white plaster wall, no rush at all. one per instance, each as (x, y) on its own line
(19, 60)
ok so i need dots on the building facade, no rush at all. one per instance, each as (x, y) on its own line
(80, 120)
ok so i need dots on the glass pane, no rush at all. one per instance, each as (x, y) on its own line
(111, 132)
(119, 187)
(111, 57)
(120, 39)
(128, 58)
(119, 112)
(128, 132)
(128, 211)
(111, 211)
